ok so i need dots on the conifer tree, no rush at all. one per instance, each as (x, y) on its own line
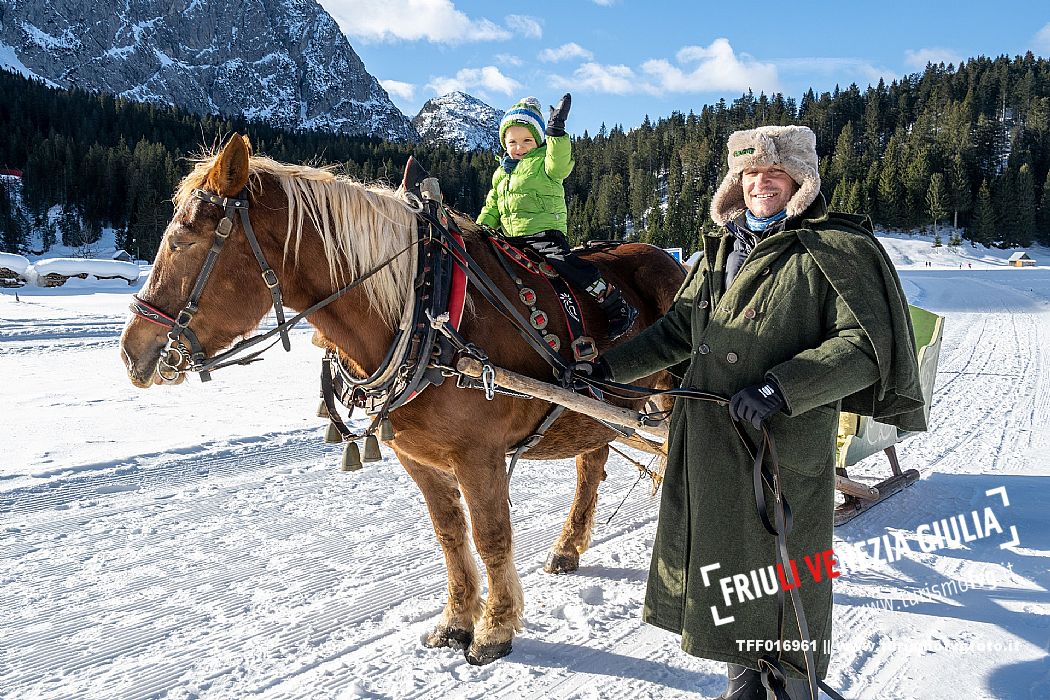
(1026, 206)
(985, 228)
(1042, 233)
(936, 200)
(959, 186)
(892, 202)
(917, 182)
(1006, 206)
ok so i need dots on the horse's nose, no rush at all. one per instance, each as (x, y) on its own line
(141, 364)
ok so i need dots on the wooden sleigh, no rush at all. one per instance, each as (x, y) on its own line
(859, 436)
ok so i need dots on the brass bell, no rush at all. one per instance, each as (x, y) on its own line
(351, 457)
(372, 453)
(322, 410)
(386, 430)
(332, 435)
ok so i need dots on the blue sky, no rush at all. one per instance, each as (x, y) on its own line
(623, 59)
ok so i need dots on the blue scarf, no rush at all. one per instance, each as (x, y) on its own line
(759, 224)
(508, 163)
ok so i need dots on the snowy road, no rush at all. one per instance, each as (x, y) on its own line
(201, 542)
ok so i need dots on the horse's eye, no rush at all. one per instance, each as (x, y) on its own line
(177, 245)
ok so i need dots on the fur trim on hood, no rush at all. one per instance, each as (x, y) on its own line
(793, 148)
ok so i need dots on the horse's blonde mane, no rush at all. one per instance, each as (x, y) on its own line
(360, 225)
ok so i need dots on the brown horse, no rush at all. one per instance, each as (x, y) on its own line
(317, 230)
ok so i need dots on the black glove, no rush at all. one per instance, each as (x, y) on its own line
(597, 371)
(556, 121)
(756, 404)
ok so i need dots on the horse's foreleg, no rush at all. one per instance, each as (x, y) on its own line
(456, 628)
(576, 534)
(484, 485)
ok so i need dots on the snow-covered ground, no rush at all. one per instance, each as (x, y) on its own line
(200, 541)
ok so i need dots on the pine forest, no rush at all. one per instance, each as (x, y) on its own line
(966, 147)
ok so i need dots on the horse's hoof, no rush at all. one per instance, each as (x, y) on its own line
(478, 655)
(561, 563)
(448, 637)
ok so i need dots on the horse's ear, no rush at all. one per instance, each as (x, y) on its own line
(229, 175)
(247, 144)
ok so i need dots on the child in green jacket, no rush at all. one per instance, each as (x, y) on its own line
(527, 201)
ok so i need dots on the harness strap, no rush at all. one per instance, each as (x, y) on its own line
(553, 413)
(268, 275)
(495, 296)
(328, 396)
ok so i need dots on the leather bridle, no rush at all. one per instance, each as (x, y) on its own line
(176, 358)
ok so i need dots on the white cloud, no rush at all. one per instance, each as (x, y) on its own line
(488, 79)
(841, 71)
(605, 3)
(714, 68)
(405, 91)
(1041, 40)
(508, 59)
(437, 21)
(918, 58)
(565, 52)
(717, 68)
(524, 26)
(617, 79)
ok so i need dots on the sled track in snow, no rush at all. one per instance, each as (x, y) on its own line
(82, 486)
(996, 367)
(337, 573)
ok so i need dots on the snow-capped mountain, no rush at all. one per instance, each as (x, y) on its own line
(282, 61)
(460, 121)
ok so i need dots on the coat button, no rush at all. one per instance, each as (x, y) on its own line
(704, 304)
(731, 358)
(703, 349)
(749, 313)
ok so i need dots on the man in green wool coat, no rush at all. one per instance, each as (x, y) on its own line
(795, 313)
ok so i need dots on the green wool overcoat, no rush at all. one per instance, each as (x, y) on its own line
(531, 198)
(818, 306)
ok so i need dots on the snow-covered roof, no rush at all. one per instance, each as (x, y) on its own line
(77, 266)
(15, 263)
(1020, 255)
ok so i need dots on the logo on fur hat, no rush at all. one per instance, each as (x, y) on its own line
(743, 152)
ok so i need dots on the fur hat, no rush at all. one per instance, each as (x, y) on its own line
(793, 148)
(526, 113)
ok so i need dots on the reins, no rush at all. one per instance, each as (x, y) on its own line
(763, 476)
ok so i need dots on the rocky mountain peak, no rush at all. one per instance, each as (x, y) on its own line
(460, 121)
(282, 61)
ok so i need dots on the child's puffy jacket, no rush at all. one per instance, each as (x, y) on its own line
(531, 198)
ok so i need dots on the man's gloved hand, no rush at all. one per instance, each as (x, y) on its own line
(596, 370)
(558, 115)
(755, 404)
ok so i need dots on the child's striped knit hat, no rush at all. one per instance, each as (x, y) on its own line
(525, 113)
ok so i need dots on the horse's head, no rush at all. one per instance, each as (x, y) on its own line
(234, 297)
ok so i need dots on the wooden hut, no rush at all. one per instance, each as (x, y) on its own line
(1021, 259)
